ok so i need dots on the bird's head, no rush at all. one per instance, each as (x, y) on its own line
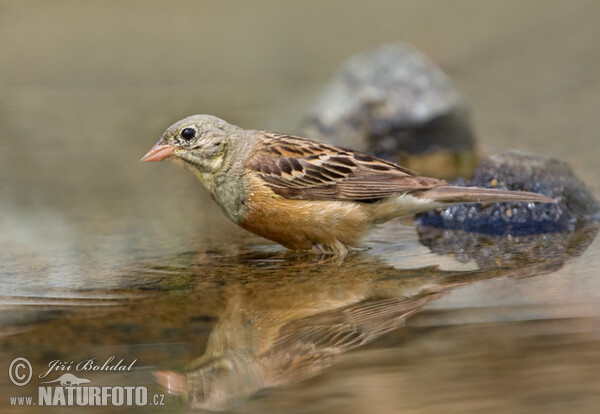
(198, 142)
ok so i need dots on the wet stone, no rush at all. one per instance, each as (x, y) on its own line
(491, 251)
(503, 233)
(515, 170)
(395, 103)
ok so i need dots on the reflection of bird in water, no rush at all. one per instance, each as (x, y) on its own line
(304, 194)
(225, 376)
(306, 346)
(284, 324)
(289, 327)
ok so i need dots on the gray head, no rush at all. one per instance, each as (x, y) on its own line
(199, 142)
(216, 383)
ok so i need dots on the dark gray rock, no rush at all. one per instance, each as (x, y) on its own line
(507, 251)
(508, 233)
(515, 170)
(395, 103)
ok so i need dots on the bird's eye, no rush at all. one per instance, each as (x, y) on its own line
(188, 133)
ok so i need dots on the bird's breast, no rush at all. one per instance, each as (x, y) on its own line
(304, 224)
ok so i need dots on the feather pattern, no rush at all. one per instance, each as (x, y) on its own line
(298, 168)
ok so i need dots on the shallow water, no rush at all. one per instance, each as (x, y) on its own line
(102, 256)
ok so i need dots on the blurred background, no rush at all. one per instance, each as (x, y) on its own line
(86, 88)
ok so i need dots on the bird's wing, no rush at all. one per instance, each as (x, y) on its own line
(306, 346)
(299, 168)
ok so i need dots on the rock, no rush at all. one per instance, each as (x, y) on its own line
(516, 170)
(503, 233)
(494, 251)
(395, 103)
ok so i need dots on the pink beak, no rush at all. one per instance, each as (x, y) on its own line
(173, 382)
(158, 153)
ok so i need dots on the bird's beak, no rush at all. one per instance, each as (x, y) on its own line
(158, 152)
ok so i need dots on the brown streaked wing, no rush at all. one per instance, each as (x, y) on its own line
(299, 168)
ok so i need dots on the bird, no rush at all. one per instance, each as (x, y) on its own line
(305, 194)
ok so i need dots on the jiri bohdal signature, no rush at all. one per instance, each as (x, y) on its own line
(91, 364)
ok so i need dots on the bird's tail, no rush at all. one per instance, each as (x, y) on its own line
(420, 201)
(454, 194)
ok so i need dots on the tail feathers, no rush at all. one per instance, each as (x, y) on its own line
(418, 202)
(454, 194)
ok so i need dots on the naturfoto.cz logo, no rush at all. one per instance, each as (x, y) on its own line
(71, 390)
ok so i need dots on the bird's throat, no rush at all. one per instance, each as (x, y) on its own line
(227, 191)
(203, 173)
